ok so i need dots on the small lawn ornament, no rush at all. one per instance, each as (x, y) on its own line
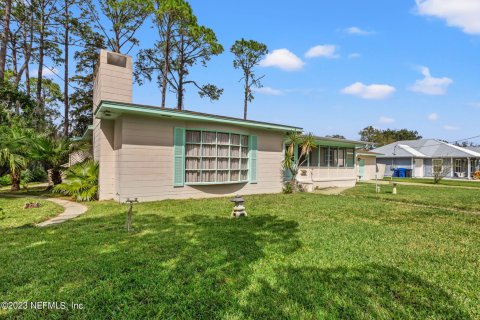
(238, 209)
(394, 191)
(30, 205)
(130, 211)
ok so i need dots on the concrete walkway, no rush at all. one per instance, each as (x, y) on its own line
(383, 182)
(72, 209)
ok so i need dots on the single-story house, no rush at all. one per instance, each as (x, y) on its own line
(367, 167)
(153, 153)
(422, 156)
(331, 164)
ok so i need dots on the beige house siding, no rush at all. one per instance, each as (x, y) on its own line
(145, 160)
(112, 83)
(370, 169)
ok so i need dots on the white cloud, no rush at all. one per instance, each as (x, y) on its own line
(283, 59)
(431, 85)
(433, 116)
(269, 91)
(358, 31)
(373, 91)
(450, 127)
(325, 51)
(354, 55)
(463, 14)
(386, 120)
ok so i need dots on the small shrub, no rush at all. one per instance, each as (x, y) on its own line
(81, 181)
(287, 188)
(5, 180)
(35, 174)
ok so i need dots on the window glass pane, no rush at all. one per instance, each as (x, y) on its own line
(215, 157)
(341, 157)
(223, 138)
(323, 156)
(350, 159)
(235, 139)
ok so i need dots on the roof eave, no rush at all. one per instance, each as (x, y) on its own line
(110, 107)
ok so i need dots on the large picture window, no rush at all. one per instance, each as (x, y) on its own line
(215, 157)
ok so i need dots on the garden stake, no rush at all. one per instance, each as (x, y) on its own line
(129, 214)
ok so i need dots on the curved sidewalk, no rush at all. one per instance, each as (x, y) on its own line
(71, 209)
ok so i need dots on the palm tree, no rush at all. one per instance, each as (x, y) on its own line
(81, 181)
(294, 140)
(13, 152)
(52, 152)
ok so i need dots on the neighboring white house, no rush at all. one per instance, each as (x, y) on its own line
(422, 156)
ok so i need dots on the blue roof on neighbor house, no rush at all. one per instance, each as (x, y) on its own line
(424, 148)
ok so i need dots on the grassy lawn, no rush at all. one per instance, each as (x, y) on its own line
(450, 198)
(443, 182)
(297, 256)
(12, 214)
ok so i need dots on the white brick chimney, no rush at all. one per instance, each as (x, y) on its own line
(112, 82)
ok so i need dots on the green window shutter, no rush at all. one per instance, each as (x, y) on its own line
(179, 156)
(253, 146)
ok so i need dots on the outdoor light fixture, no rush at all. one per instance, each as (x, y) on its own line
(238, 209)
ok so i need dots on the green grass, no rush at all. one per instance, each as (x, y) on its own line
(443, 182)
(449, 198)
(301, 256)
(13, 215)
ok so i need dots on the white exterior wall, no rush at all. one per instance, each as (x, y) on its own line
(324, 177)
(145, 161)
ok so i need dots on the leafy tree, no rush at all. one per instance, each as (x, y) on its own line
(387, 136)
(248, 54)
(52, 152)
(336, 136)
(82, 98)
(51, 97)
(183, 44)
(14, 152)
(125, 17)
(81, 181)
(16, 106)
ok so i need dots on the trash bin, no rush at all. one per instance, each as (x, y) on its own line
(395, 173)
(409, 173)
(402, 172)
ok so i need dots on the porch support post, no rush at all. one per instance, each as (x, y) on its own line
(452, 166)
(469, 169)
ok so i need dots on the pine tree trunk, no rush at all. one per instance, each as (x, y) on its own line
(15, 181)
(166, 62)
(66, 122)
(41, 51)
(4, 39)
(245, 101)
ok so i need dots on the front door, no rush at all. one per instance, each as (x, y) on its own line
(418, 168)
(361, 168)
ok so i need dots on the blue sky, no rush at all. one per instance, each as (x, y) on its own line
(338, 66)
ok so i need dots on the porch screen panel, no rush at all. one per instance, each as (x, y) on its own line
(216, 157)
(350, 158)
